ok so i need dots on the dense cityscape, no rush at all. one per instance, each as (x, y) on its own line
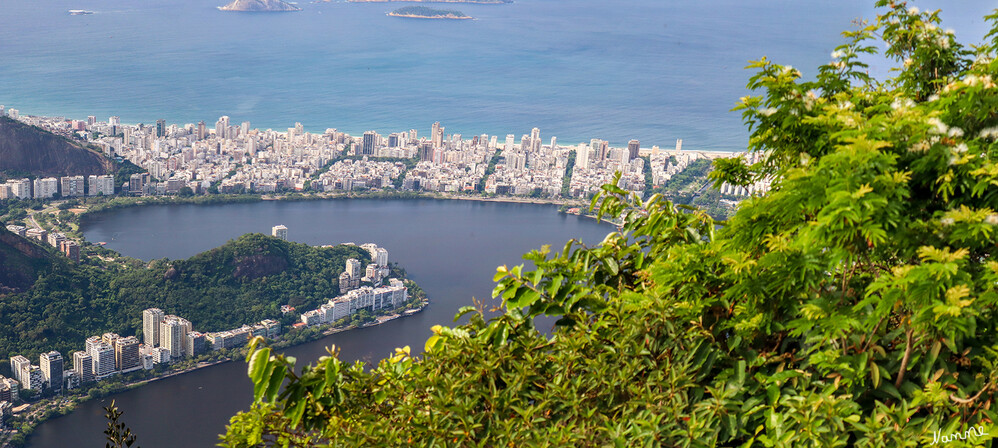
(234, 158)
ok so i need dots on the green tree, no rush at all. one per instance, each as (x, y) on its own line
(118, 435)
(854, 305)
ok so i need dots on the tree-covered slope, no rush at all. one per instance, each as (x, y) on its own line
(244, 281)
(20, 262)
(853, 305)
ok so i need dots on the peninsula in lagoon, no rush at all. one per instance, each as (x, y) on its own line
(259, 6)
(422, 12)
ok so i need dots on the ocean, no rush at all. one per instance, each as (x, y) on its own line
(652, 70)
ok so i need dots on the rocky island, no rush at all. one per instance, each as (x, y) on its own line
(259, 6)
(481, 2)
(422, 12)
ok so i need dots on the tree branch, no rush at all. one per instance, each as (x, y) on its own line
(904, 361)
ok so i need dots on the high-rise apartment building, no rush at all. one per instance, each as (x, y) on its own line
(367, 146)
(126, 354)
(161, 128)
(102, 357)
(151, 318)
(72, 186)
(222, 127)
(20, 188)
(83, 365)
(195, 344)
(434, 131)
(100, 185)
(46, 188)
(173, 333)
(582, 156)
(17, 365)
(279, 231)
(31, 378)
(51, 366)
(633, 147)
(353, 268)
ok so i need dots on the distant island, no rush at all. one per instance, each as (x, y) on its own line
(259, 6)
(422, 12)
(483, 2)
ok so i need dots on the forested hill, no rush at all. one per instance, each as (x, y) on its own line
(244, 281)
(28, 150)
(21, 261)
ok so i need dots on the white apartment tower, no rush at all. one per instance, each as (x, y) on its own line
(83, 365)
(102, 357)
(279, 231)
(151, 318)
(17, 365)
(173, 334)
(100, 185)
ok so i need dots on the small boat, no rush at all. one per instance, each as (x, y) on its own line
(80, 12)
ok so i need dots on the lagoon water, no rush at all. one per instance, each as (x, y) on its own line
(450, 248)
(653, 70)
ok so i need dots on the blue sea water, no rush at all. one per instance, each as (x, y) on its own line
(654, 70)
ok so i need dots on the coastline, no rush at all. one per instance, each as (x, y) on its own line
(128, 202)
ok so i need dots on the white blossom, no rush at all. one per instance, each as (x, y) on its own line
(767, 111)
(933, 97)
(955, 132)
(961, 148)
(913, 10)
(947, 221)
(939, 126)
(837, 54)
(902, 104)
(989, 133)
(992, 219)
(920, 147)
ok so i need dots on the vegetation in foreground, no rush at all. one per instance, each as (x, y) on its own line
(853, 305)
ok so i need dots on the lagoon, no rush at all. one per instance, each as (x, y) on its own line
(450, 248)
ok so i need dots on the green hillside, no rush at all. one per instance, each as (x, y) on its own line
(244, 281)
(21, 262)
(856, 304)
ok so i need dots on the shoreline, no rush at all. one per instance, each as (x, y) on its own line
(125, 387)
(138, 201)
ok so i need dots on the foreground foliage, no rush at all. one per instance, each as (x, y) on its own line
(853, 305)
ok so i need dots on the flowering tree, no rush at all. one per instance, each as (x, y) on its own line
(852, 305)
